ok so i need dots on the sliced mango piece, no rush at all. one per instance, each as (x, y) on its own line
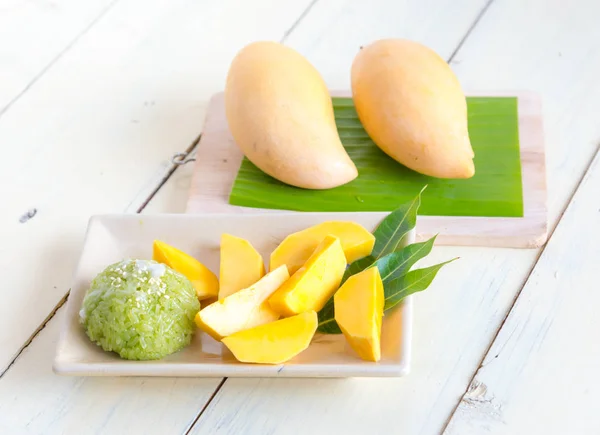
(314, 283)
(204, 281)
(358, 306)
(241, 266)
(244, 309)
(295, 249)
(275, 342)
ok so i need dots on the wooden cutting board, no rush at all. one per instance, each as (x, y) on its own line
(218, 160)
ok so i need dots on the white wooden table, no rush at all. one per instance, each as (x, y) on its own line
(97, 95)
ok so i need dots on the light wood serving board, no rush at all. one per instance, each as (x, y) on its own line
(218, 160)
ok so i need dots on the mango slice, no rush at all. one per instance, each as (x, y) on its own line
(244, 309)
(314, 283)
(295, 249)
(412, 105)
(358, 306)
(241, 266)
(204, 281)
(276, 342)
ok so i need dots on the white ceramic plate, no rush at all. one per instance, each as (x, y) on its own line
(111, 238)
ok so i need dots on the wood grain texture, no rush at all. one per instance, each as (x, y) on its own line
(535, 45)
(516, 45)
(35, 34)
(109, 116)
(219, 158)
(33, 400)
(541, 373)
(97, 131)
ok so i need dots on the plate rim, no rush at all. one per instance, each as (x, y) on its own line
(159, 368)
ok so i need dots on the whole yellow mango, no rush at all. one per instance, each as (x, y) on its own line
(280, 114)
(412, 106)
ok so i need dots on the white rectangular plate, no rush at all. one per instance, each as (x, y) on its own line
(111, 238)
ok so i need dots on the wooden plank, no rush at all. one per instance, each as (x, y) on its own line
(97, 131)
(51, 404)
(541, 373)
(34, 34)
(457, 318)
(219, 158)
(34, 400)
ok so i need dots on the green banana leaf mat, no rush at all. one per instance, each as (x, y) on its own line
(383, 183)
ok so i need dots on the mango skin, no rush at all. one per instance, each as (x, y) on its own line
(244, 309)
(204, 281)
(276, 342)
(412, 106)
(312, 285)
(281, 116)
(358, 308)
(240, 267)
(296, 248)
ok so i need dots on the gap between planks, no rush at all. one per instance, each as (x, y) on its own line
(470, 30)
(56, 58)
(168, 173)
(190, 150)
(210, 399)
(551, 230)
(286, 35)
(39, 329)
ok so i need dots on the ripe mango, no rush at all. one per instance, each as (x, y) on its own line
(296, 248)
(244, 309)
(241, 266)
(314, 283)
(280, 114)
(276, 342)
(358, 307)
(412, 106)
(204, 281)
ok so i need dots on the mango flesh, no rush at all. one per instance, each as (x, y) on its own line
(244, 309)
(276, 342)
(412, 106)
(204, 281)
(314, 283)
(280, 114)
(296, 248)
(358, 307)
(241, 266)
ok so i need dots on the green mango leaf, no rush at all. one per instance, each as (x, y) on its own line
(389, 234)
(390, 267)
(358, 266)
(398, 263)
(412, 282)
(391, 231)
(327, 323)
(394, 259)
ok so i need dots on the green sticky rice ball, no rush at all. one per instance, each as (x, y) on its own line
(140, 309)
